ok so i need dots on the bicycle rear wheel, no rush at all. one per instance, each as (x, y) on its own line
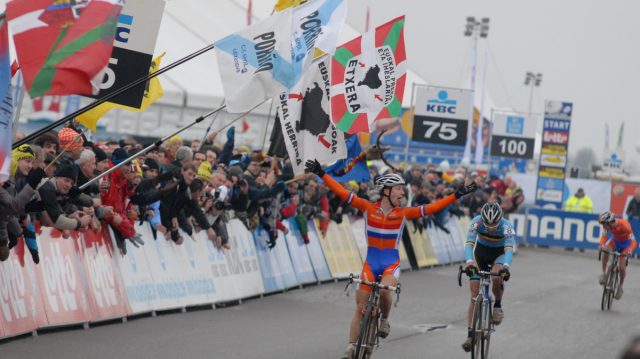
(476, 328)
(486, 331)
(372, 335)
(363, 334)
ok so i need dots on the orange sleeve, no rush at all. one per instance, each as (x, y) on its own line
(435, 207)
(603, 238)
(633, 245)
(349, 197)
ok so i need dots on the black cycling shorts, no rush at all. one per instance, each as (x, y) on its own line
(486, 256)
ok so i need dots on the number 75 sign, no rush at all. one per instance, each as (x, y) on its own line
(439, 130)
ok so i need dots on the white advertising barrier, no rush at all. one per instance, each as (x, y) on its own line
(21, 306)
(299, 255)
(136, 276)
(197, 277)
(599, 191)
(440, 247)
(358, 229)
(106, 294)
(455, 238)
(316, 255)
(340, 250)
(242, 261)
(164, 267)
(277, 274)
(60, 276)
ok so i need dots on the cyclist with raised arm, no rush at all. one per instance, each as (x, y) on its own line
(385, 221)
(618, 237)
(489, 246)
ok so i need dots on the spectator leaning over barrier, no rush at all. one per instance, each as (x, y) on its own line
(633, 208)
(579, 202)
(116, 196)
(54, 195)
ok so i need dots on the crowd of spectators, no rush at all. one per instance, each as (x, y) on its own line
(186, 187)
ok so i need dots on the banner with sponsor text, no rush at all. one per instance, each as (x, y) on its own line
(553, 154)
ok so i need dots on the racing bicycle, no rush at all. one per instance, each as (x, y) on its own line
(612, 281)
(481, 323)
(368, 333)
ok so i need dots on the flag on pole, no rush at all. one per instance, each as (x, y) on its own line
(368, 78)
(359, 172)
(304, 119)
(152, 92)
(255, 63)
(316, 24)
(63, 47)
(6, 104)
(620, 136)
(285, 4)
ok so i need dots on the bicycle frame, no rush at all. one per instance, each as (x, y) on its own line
(611, 284)
(368, 334)
(483, 325)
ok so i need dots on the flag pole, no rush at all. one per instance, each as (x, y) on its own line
(209, 128)
(266, 129)
(152, 146)
(108, 97)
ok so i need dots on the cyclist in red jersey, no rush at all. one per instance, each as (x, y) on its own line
(617, 236)
(384, 224)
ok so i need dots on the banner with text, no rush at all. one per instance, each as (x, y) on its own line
(557, 228)
(553, 154)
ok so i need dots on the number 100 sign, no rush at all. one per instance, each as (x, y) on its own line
(516, 147)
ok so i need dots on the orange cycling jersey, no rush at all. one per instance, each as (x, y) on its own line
(384, 230)
(621, 234)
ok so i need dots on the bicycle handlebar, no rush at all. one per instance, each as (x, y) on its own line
(614, 253)
(354, 279)
(480, 273)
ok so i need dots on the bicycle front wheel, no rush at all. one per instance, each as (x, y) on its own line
(486, 331)
(363, 335)
(476, 328)
(613, 288)
(372, 335)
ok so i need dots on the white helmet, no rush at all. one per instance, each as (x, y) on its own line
(491, 213)
(389, 180)
(606, 217)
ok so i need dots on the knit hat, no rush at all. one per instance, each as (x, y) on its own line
(151, 164)
(100, 154)
(204, 171)
(67, 171)
(23, 152)
(119, 155)
(69, 139)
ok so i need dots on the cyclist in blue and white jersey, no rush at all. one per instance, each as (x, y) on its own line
(489, 244)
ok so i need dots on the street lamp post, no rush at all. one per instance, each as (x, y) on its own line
(474, 29)
(532, 80)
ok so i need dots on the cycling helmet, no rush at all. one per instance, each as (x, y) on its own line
(491, 213)
(606, 217)
(389, 180)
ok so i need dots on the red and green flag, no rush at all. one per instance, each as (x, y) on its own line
(63, 46)
(368, 78)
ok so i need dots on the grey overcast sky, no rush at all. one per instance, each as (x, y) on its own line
(588, 52)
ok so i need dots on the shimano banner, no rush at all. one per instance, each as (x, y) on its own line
(557, 228)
